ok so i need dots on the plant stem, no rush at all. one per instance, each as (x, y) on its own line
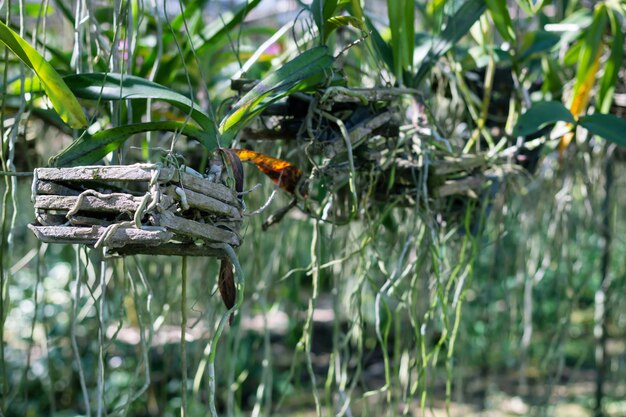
(183, 344)
(600, 330)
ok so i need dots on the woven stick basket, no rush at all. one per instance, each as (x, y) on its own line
(136, 209)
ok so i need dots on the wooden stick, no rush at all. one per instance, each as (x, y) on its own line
(357, 133)
(200, 185)
(53, 188)
(465, 186)
(449, 165)
(195, 230)
(90, 235)
(137, 172)
(50, 219)
(174, 249)
(373, 94)
(205, 203)
(113, 203)
(90, 221)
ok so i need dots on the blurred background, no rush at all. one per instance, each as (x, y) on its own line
(502, 300)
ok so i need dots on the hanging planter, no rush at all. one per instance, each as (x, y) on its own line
(136, 209)
(367, 154)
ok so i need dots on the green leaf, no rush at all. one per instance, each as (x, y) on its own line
(402, 16)
(90, 149)
(570, 59)
(336, 22)
(191, 8)
(541, 114)
(289, 77)
(357, 10)
(458, 26)
(500, 14)
(434, 7)
(112, 86)
(591, 44)
(322, 10)
(394, 10)
(607, 126)
(31, 85)
(536, 42)
(408, 33)
(330, 6)
(382, 48)
(552, 82)
(611, 67)
(60, 96)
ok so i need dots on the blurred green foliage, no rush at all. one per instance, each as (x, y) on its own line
(439, 299)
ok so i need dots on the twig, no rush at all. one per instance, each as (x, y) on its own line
(352, 174)
(183, 344)
(101, 336)
(265, 205)
(278, 216)
(259, 51)
(15, 174)
(208, 359)
(307, 332)
(77, 356)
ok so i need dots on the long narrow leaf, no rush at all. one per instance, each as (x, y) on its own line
(591, 44)
(581, 96)
(357, 10)
(382, 47)
(401, 15)
(394, 13)
(322, 10)
(607, 126)
(408, 28)
(540, 115)
(434, 9)
(91, 149)
(502, 19)
(336, 22)
(112, 86)
(191, 8)
(458, 26)
(536, 43)
(60, 96)
(588, 66)
(308, 64)
(611, 67)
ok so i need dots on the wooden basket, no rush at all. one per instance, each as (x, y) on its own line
(136, 209)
